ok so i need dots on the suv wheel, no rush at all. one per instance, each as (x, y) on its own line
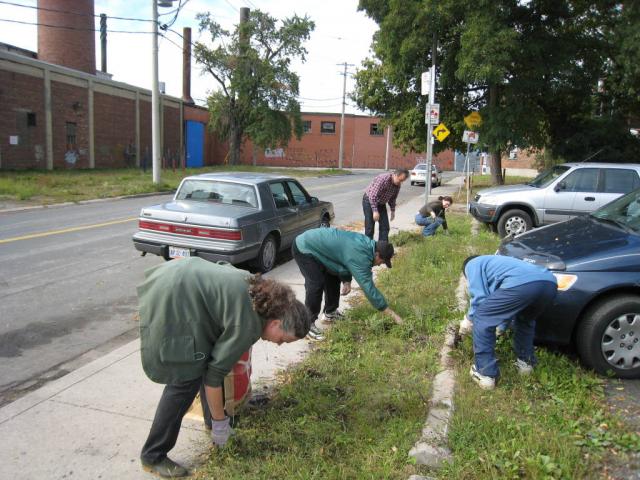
(514, 222)
(608, 339)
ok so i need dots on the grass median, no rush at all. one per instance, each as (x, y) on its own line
(47, 187)
(355, 407)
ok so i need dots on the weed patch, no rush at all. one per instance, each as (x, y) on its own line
(355, 407)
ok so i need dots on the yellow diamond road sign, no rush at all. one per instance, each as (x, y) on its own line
(473, 120)
(441, 132)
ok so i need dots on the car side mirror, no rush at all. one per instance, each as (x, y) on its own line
(560, 186)
(314, 200)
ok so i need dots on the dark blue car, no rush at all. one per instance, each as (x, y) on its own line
(596, 259)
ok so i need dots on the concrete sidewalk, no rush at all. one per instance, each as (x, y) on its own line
(91, 423)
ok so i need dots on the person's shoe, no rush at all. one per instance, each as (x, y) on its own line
(523, 367)
(333, 316)
(483, 381)
(315, 333)
(166, 468)
(466, 326)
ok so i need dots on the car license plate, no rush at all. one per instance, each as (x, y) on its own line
(176, 252)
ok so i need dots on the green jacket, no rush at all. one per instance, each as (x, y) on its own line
(345, 254)
(196, 318)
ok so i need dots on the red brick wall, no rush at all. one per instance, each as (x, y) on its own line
(69, 104)
(72, 47)
(361, 149)
(115, 127)
(20, 94)
(525, 158)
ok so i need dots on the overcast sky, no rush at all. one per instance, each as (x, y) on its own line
(342, 34)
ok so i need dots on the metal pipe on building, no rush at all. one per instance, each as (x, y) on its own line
(186, 66)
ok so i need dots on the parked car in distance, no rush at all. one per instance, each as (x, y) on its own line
(596, 259)
(418, 174)
(235, 217)
(558, 194)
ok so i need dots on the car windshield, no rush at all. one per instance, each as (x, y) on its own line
(548, 176)
(624, 212)
(420, 166)
(218, 192)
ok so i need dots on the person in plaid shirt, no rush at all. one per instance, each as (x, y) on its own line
(382, 190)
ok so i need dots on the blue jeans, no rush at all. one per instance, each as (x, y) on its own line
(522, 305)
(430, 225)
(369, 222)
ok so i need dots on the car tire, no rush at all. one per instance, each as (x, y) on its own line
(413, 183)
(514, 222)
(325, 222)
(609, 336)
(266, 258)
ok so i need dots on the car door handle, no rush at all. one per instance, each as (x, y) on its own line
(590, 199)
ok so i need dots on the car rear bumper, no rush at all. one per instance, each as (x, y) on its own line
(234, 256)
(484, 213)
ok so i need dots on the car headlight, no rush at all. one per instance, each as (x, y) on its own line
(565, 281)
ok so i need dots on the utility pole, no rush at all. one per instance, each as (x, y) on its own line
(387, 152)
(344, 95)
(432, 100)
(155, 97)
(155, 90)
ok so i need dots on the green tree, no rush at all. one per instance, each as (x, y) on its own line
(257, 92)
(530, 67)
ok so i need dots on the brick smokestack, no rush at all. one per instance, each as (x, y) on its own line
(73, 46)
(186, 65)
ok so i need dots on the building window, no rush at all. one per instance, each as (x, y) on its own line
(375, 129)
(306, 126)
(328, 127)
(72, 139)
(31, 119)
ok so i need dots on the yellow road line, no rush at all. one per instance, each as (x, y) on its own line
(67, 230)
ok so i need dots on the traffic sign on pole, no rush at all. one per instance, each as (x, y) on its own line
(474, 119)
(441, 132)
(425, 83)
(470, 136)
(432, 114)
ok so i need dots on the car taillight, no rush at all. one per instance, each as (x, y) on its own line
(193, 231)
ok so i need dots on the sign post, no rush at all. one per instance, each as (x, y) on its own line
(468, 137)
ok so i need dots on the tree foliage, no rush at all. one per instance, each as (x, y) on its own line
(531, 68)
(256, 95)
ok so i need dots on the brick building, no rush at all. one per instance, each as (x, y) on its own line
(364, 146)
(57, 111)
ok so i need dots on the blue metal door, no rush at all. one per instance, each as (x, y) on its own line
(195, 143)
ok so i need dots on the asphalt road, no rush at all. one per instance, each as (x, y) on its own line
(67, 288)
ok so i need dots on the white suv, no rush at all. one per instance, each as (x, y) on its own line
(558, 194)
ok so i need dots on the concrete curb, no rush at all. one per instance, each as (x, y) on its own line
(431, 449)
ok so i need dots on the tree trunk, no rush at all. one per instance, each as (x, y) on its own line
(496, 153)
(235, 143)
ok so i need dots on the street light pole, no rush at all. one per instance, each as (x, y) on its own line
(155, 98)
(432, 100)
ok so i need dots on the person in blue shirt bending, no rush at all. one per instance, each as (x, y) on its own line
(502, 290)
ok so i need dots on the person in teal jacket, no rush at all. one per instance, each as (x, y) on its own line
(197, 319)
(327, 257)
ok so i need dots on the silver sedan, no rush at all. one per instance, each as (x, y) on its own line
(235, 217)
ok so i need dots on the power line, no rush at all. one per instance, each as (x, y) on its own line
(69, 28)
(320, 99)
(34, 7)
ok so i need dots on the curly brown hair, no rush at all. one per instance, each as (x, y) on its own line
(274, 300)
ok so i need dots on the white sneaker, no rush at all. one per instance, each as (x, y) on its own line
(523, 367)
(483, 381)
(466, 326)
(332, 316)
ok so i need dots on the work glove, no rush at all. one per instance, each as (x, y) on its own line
(221, 431)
